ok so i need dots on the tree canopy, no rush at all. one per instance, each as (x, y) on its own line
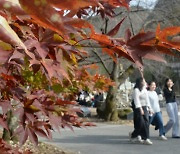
(41, 42)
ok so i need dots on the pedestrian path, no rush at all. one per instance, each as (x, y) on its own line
(113, 139)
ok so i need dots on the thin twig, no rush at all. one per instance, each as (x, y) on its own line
(102, 62)
(131, 24)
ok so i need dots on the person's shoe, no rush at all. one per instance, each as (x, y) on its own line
(148, 142)
(176, 137)
(162, 137)
(136, 139)
(139, 139)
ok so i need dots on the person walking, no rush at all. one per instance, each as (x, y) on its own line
(172, 109)
(156, 118)
(141, 108)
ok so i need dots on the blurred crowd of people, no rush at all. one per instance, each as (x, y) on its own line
(93, 99)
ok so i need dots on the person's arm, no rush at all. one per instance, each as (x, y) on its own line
(160, 97)
(167, 94)
(148, 102)
(137, 102)
(173, 94)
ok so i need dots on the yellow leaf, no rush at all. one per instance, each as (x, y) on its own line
(72, 42)
(5, 46)
(33, 108)
(73, 57)
(57, 37)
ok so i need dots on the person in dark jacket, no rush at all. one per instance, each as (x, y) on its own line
(172, 109)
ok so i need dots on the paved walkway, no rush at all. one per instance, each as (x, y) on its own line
(113, 139)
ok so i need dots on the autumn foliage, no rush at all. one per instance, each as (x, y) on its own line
(41, 42)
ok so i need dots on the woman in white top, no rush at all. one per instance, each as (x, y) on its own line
(157, 116)
(141, 113)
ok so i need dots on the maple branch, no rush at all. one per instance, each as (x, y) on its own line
(106, 25)
(102, 62)
(93, 62)
(132, 29)
(138, 4)
(158, 21)
(131, 11)
(90, 46)
(151, 22)
(80, 41)
(118, 14)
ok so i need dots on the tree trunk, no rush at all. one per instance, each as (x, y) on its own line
(111, 113)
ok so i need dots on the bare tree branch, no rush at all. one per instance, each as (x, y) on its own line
(102, 61)
(131, 24)
(88, 62)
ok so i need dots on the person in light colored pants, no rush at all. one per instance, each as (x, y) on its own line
(172, 109)
(173, 122)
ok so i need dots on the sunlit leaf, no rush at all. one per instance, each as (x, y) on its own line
(163, 37)
(12, 6)
(5, 46)
(48, 19)
(62, 102)
(57, 38)
(111, 53)
(72, 4)
(8, 35)
(116, 3)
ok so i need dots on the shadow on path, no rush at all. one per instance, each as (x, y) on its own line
(94, 139)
